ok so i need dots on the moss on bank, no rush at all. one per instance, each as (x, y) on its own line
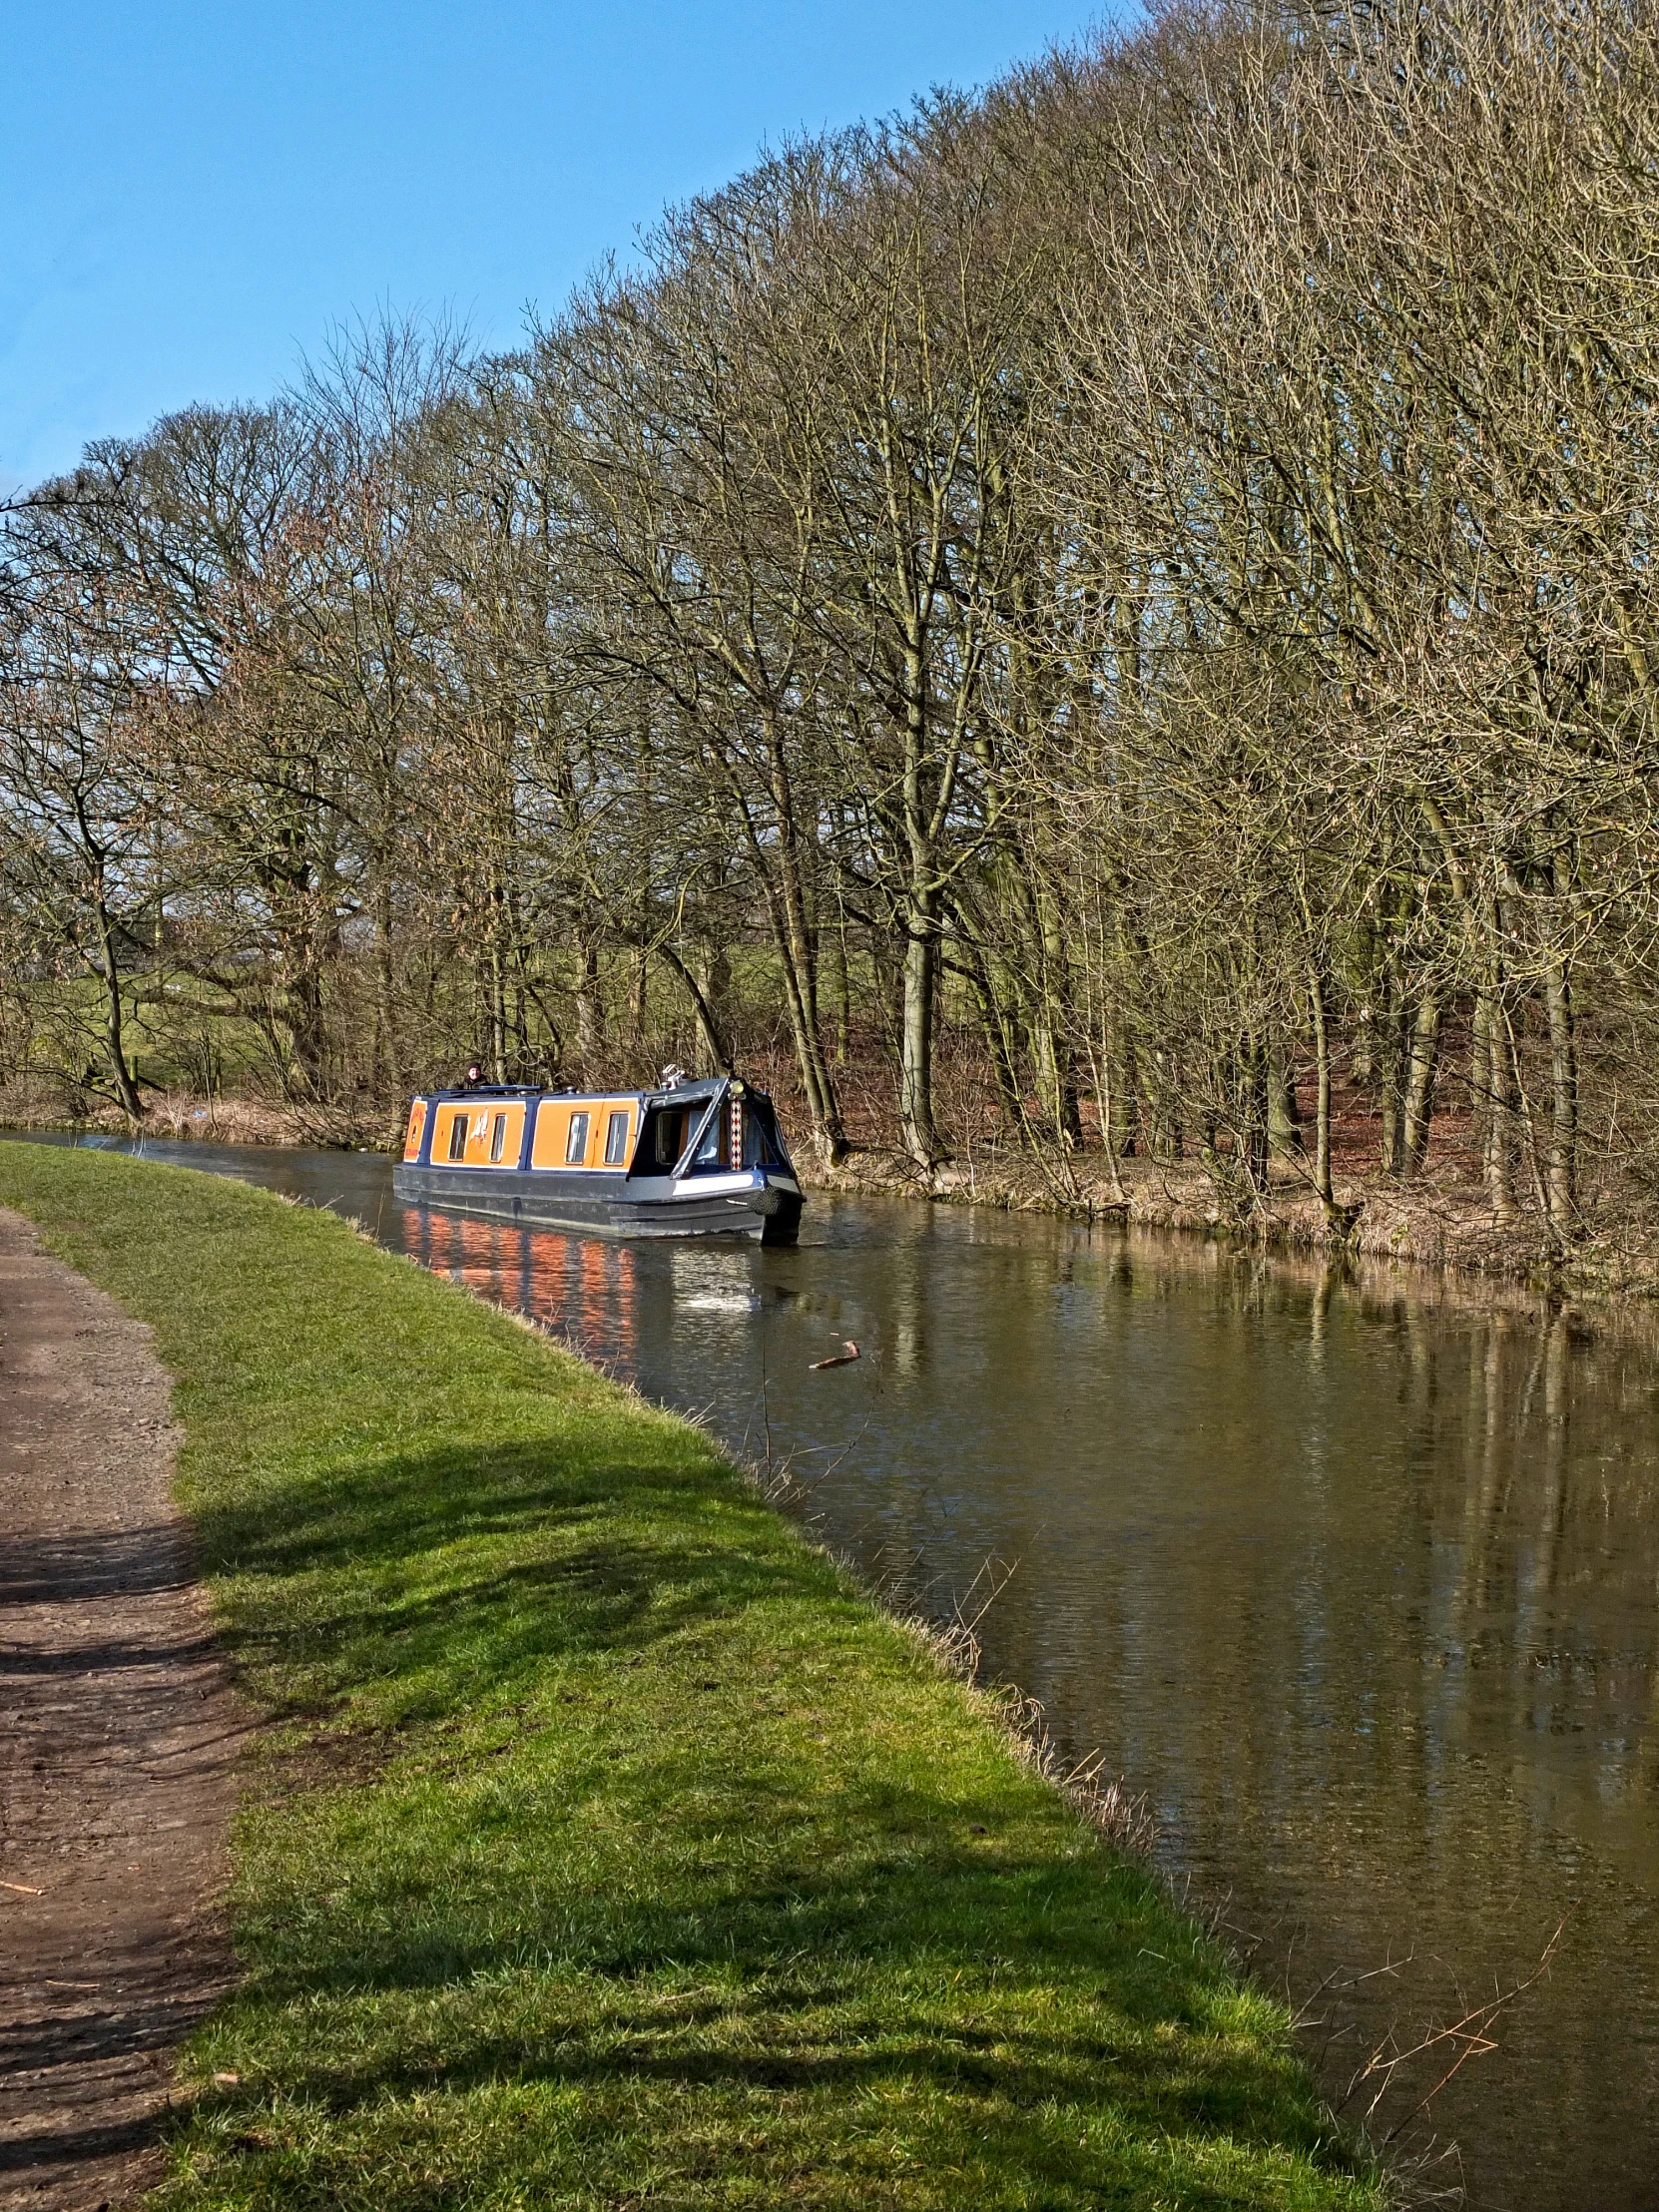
(606, 1847)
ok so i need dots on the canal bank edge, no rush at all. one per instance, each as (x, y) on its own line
(1442, 1227)
(602, 1838)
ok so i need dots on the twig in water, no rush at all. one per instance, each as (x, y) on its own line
(839, 1358)
(989, 1569)
(1468, 2037)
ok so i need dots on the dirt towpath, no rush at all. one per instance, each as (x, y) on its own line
(117, 1736)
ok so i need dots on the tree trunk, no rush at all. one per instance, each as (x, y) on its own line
(712, 1042)
(1501, 1134)
(1321, 1095)
(1283, 1114)
(1496, 1075)
(497, 997)
(1392, 1039)
(387, 1076)
(841, 988)
(590, 1006)
(797, 944)
(1056, 1071)
(1123, 1132)
(998, 1045)
(916, 1064)
(637, 996)
(115, 1046)
(1256, 1100)
(817, 1083)
(1561, 1172)
(1422, 1065)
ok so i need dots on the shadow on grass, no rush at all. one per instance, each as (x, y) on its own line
(876, 2049)
(1017, 1991)
(879, 1915)
(461, 1572)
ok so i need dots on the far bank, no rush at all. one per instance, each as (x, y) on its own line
(1438, 1220)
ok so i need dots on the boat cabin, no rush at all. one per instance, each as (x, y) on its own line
(692, 1158)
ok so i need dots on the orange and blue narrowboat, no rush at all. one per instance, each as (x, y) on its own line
(693, 1159)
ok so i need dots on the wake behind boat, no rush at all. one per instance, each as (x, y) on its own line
(692, 1159)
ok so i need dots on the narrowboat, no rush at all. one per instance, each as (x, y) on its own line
(693, 1159)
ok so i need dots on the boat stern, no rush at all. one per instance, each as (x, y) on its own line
(778, 1199)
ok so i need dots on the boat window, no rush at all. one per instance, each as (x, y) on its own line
(616, 1140)
(710, 1153)
(498, 1137)
(671, 1136)
(760, 1139)
(576, 1144)
(457, 1138)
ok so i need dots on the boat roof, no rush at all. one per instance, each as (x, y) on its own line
(694, 1091)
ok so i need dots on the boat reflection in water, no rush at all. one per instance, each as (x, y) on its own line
(582, 1290)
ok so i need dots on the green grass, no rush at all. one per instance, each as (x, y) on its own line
(607, 1846)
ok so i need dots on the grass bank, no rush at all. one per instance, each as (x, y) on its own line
(606, 1847)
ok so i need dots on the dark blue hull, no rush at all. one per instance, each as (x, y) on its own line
(761, 1204)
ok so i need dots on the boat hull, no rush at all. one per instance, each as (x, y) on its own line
(599, 1206)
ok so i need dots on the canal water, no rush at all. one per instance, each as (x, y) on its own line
(1354, 1579)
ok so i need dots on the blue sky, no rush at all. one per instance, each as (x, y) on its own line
(191, 194)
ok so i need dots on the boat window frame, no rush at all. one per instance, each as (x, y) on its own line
(459, 1132)
(694, 1143)
(576, 1145)
(759, 1137)
(615, 1138)
(498, 1137)
(709, 1127)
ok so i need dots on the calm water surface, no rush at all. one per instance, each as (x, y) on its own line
(1358, 1585)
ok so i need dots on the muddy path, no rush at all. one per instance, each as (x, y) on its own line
(118, 1734)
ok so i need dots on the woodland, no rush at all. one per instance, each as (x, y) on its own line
(1111, 618)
